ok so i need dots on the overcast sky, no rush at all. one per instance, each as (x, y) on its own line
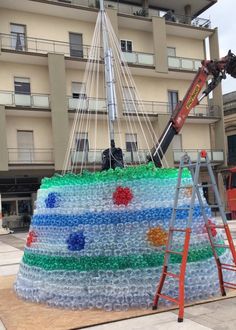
(222, 15)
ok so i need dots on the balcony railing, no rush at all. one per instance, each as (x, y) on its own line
(216, 156)
(30, 156)
(9, 98)
(92, 157)
(211, 111)
(87, 104)
(182, 63)
(153, 107)
(139, 58)
(45, 46)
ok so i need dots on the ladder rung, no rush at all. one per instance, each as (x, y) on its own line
(185, 187)
(221, 245)
(228, 265)
(229, 283)
(174, 252)
(215, 226)
(230, 287)
(178, 229)
(172, 275)
(168, 298)
(228, 268)
(212, 206)
(205, 185)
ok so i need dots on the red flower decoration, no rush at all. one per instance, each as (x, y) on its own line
(31, 238)
(212, 227)
(122, 196)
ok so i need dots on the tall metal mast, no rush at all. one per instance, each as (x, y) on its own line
(109, 77)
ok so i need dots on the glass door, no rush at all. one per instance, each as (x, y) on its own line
(76, 45)
(25, 141)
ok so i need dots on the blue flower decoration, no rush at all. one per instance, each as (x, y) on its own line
(52, 200)
(76, 241)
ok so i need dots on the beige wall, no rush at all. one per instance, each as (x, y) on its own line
(79, 76)
(195, 136)
(100, 138)
(46, 27)
(38, 75)
(186, 47)
(41, 127)
(142, 41)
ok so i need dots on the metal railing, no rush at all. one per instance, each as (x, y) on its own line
(95, 156)
(212, 111)
(127, 9)
(45, 46)
(154, 107)
(182, 63)
(9, 98)
(36, 100)
(30, 156)
(215, 155)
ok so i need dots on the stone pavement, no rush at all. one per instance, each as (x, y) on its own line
(217, 315)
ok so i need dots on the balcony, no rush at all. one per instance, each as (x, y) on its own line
(135, 10)
(11, 99)
(30, 156)
(138, 58)
(154, 108)
(94, 157)
(87, 104)
(44, 46)
(181, 63)
(215, 156)
(209, 111)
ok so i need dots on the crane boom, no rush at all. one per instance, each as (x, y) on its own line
(218, 70)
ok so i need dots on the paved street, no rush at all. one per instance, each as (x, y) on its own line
(217, 315)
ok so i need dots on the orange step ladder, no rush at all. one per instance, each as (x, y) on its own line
(195, 170)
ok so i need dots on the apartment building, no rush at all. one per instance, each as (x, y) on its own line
(229, 101)
(44, 49)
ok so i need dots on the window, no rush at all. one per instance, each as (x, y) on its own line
(126, 46)
(78, 90)
(76, 45)
(171, 51)
(232, 149)
(8, 208)
(173, 99)
(25, 142)
(129, 98)
(22, 86)
(82, 142)
(22, 92)
(131, 145)
(233, 180)
(18, 37)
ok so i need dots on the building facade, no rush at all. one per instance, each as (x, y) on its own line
(229, 101)
(44, 49)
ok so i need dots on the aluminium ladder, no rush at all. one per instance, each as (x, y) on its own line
(195, 170)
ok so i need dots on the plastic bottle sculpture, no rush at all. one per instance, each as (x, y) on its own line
(97, 240)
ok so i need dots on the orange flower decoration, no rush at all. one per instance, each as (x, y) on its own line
(157, 236)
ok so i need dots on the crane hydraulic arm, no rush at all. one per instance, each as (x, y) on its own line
(217, 69)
